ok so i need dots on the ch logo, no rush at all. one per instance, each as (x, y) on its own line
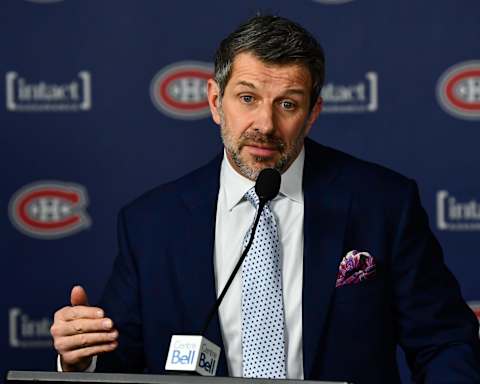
(49, 210)
(180, 90)
(458, 90)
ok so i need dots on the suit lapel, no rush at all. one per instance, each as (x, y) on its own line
(325, 219)
(200, 198)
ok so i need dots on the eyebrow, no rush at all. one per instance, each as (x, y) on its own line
(295, 91)
(246, 84)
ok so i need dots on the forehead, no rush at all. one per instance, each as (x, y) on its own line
(248, 68)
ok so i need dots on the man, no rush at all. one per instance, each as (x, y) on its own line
(356, 269)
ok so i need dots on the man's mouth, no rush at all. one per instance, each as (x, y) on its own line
(261, 150)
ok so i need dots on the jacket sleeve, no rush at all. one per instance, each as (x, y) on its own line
(121, 302)
(436, 329)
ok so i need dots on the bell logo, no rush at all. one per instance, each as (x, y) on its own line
(49, 210)
(458, 90)
(180, 90)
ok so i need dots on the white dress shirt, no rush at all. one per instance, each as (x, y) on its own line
(234, 217)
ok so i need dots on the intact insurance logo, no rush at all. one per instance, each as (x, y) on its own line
(24, 94)
(457, 214)
(50, 209)
(458, 90)
(28, 332)
(180, 90)
(352, 97)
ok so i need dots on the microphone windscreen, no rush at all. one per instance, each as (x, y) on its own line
(268, 184)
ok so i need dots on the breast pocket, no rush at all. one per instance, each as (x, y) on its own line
(363, 292)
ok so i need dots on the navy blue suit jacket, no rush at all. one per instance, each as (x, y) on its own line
(163, 279)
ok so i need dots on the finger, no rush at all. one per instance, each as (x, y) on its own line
(78, 296)
(79, 312)
(76, 327)
(73, 357)
(85, 340)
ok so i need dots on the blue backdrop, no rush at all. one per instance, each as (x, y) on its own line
(105, 99)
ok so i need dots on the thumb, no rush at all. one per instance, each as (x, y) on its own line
(78, 296)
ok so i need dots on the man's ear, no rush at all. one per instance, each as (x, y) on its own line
(213, 94)
(317, 108)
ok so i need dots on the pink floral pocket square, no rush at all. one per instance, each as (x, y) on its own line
(356, 267)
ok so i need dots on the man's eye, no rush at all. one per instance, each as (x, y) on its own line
(288, 105)
(247, 99)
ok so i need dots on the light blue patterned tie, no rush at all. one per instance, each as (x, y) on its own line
(263, 325)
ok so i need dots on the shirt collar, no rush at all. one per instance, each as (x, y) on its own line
(235, 185)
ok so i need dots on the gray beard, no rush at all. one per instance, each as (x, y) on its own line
(281, 165)
(252, 173)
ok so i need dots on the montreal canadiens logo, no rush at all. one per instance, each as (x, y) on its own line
(49, 210)
(475, 307)
(458, 90)
(180, 90)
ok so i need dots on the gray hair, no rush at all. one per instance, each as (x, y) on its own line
(273, 40)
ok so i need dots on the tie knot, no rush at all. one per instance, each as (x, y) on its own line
(252, 197)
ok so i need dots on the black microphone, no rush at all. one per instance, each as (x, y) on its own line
(267, 187)
(268, 184)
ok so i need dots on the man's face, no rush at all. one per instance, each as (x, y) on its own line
(264, 114)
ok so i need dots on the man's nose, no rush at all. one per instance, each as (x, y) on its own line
(265, 119)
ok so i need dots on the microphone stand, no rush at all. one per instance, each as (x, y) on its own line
(214, 309)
